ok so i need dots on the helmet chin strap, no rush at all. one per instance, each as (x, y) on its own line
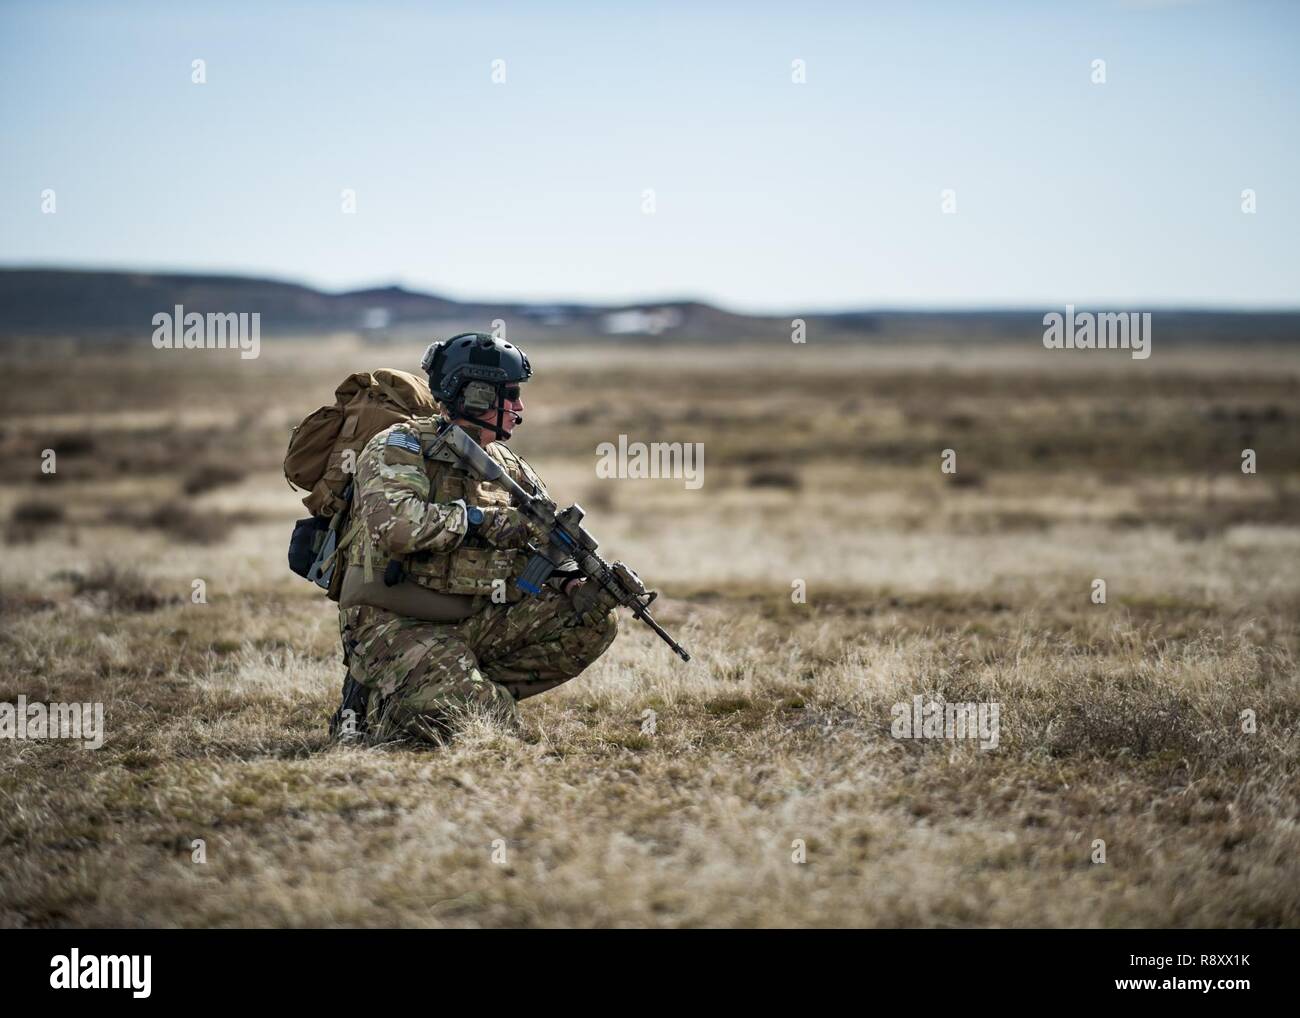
(497, 429)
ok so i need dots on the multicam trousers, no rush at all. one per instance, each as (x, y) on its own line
(421, 676)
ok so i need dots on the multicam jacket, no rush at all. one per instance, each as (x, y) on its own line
(410, 506)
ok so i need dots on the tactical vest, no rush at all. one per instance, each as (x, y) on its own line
(473, 566)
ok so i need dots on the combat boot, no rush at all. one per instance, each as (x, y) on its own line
(348, 723)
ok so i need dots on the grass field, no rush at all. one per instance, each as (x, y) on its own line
(1120, 722)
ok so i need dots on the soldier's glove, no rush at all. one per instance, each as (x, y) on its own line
(591, 602)
(508, 528)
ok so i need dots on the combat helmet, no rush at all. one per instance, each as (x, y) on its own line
(470, 372)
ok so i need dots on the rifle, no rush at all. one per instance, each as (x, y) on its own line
(567, 538)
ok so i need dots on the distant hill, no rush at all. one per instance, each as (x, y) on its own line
(80, 303)
(107, 305)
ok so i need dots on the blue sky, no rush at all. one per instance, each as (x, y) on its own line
(768, 195)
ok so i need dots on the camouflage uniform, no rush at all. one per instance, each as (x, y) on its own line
(421, 675)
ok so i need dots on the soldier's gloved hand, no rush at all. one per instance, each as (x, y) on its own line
(508, 527)
(590, 600)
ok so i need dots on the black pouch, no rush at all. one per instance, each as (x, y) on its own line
(305, 544)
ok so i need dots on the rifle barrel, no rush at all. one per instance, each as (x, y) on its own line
(473, 455)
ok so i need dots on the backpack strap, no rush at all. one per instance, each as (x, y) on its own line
(367, 563)
(348, 537)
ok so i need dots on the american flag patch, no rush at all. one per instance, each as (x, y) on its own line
(404, 440)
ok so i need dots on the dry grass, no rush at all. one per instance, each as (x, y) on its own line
(1119, 722)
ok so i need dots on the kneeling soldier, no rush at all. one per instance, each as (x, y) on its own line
(433, 626)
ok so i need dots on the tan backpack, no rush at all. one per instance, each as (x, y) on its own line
(365, 404)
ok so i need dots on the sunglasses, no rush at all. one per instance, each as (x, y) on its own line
(511, 392)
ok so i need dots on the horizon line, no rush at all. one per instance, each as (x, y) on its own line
(1157, 304)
